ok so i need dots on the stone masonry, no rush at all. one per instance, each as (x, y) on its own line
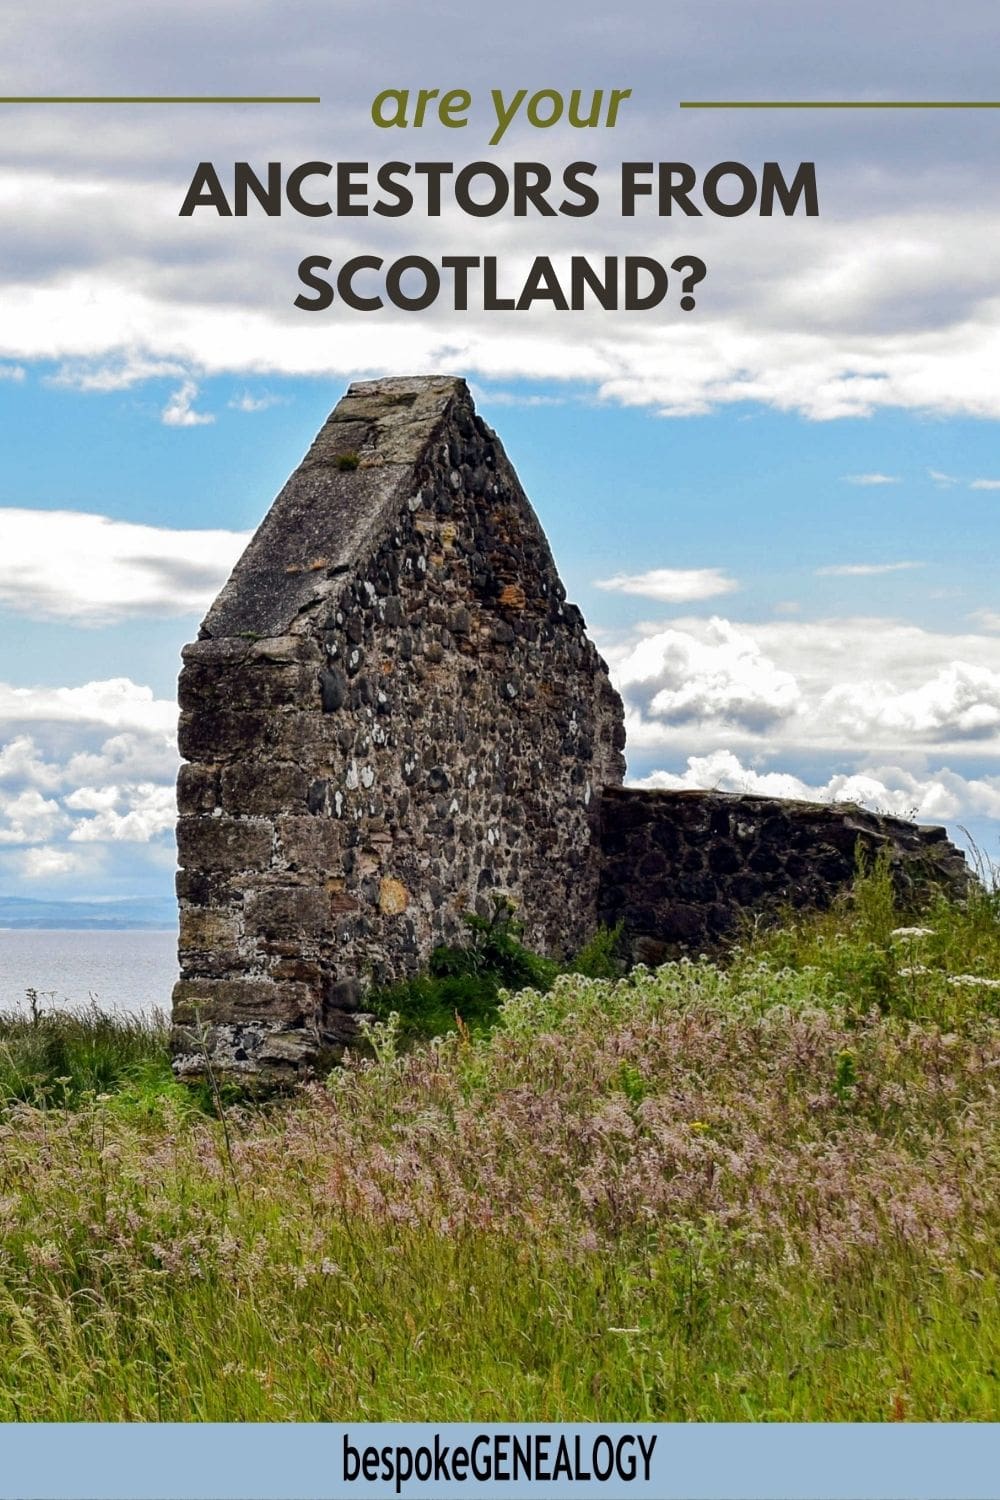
(682, 868)
(390, 716)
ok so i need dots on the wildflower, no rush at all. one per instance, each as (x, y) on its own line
(912, 932)
(45, 1256)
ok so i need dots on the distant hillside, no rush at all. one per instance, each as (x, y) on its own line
(136, 914)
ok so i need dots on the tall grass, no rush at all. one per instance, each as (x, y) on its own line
(940, 965)
(759, 1191)
(58, 1057)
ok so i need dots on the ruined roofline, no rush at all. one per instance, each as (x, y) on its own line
(339, 503)
(793, 806)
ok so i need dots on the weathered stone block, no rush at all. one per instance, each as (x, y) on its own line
(219, 652)
(342, 995)
(255, 788)
(197, 790)
(208, 927)
(334, 689)
(248, 999)
(311, 844)
(249, 1050)
(393, 897)
(285, 650)
(213, 734)
(206, 888)
(227, 844)
(289, 911)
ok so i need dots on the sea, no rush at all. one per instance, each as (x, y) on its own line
(126, 971)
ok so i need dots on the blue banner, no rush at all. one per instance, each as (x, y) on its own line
(517, 1462)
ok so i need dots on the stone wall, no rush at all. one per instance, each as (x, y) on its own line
(682, 868)
(391, 714)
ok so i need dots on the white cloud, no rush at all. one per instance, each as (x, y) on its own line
(132, 756)
(87, 766)
(92, 764)
(866, 570)
(113, 703)
(934, 796)
(943, 481)
(11, 372)
(93, 798)
(248, 403)
(722, 771)
(134, 814)
(20, 762)
(93, 570)
(672, 585)
(827, 317)
(179, 411)
(722, 677)
(30, 818)
(987, 619)
(488, 398)
(46, 863)
(871, 479)
(119, 375)
(960, 700)
(985, 484)
(842, 686)
(727, 353)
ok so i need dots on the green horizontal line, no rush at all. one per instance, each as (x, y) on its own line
(159, 99)
(840, 104)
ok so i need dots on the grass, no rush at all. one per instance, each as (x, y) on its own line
(764, 1190)
(67, 1058)
(937, 966)
(464, 983)
(57, 1058)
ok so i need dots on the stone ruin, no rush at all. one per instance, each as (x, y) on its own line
(391, 716)
(680, 869)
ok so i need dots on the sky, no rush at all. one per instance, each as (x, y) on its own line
(778, 511)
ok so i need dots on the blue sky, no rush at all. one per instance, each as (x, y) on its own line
(779, 513)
